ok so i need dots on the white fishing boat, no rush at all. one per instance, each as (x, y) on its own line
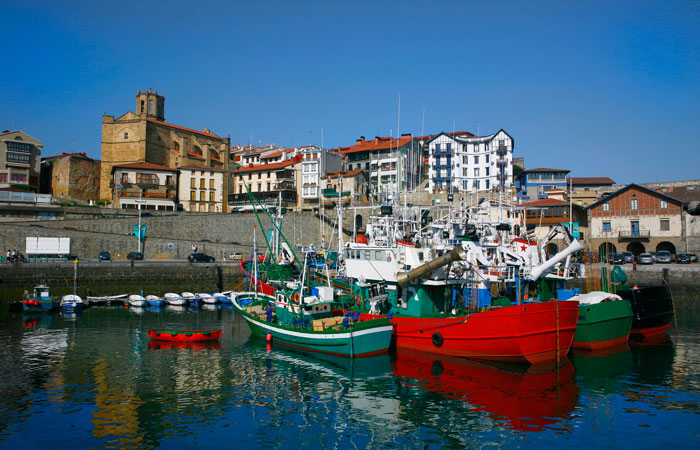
(154, 300)
(191, 298)
(137, 300)
(208, 298)
(175, 299)
(72, 302)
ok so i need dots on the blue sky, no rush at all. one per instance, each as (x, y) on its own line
(604, 89)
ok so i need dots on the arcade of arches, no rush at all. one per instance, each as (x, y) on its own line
(636, 247)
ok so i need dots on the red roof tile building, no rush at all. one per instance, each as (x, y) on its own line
(145, 137)
(144, 185)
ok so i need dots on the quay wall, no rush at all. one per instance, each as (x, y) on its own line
(114, 279)
(167, 235)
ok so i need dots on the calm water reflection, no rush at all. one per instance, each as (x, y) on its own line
(95, 380)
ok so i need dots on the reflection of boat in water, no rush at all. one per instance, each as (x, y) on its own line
(604, 371)
(352, 368)
(527, 398)
(202, 345)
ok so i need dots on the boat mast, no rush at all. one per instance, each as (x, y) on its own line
(255, 262)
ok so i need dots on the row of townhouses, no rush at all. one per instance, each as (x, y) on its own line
(152, 164)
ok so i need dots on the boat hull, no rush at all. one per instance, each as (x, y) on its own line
(603, 325)
(652, 307)
(362, 340)
(185, 335)
(526, 333)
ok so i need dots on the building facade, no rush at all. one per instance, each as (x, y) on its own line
(144, 136)
(71, 177)
(636, 219)
(20, 160)
(470, 164)
(201, 189)
(315, 164)
(390, 165)
(150, 185)
(534, 183)
(270, 183)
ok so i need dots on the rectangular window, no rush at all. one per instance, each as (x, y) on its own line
(465, 172)
(125, 177)
(465, 184)
(476, 184)
(465, 159)
(169, 180)
(476, 160)
(18, 178)
(476, 172)
(212, 197)
(606, 227)
(448, 146)
(193, 195)
(202, 183)
(487, 170)
(476, 148)
(437, 147)
(211, 184)
(606, 206)
(19, 147)
(3, 178)
(487, 158)
(634, 204)
(663, 204)
(488, 184)
(202, 196)
(146, 178)
(664, 225)
(19, 158)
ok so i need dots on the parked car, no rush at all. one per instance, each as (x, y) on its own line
(616, 258)
(653, 256)
(645, 258)
(663, 257)
(200, 257)
(683, 258)
(70, 228)
(105, 256)
(135, 256)
(628, 256)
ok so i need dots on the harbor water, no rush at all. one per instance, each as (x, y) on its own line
(96, 380)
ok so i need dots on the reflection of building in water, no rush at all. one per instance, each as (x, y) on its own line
(197, 371)
(116, 412)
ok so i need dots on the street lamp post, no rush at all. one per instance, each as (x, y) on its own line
(138, 236)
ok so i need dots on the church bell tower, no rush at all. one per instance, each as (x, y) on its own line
(150, 104)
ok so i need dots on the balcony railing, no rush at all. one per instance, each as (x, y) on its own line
(168, 195)
(635, 234)
(270, 197)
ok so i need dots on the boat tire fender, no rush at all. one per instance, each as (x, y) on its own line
(437, 339)
(295, 297)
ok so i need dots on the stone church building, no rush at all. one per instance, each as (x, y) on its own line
(144, 136)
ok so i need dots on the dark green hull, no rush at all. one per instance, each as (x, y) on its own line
(603, 325)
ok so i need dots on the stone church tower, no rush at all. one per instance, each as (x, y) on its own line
(144, 136)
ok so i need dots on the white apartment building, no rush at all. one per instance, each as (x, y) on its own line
(315, 164)
(470, 164)
(201, 189)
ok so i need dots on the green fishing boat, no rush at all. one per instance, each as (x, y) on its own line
(310, 323)
(604, 321)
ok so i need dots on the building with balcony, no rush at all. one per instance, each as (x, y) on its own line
(636, 219)
(470, 163)
(390, 165)
(71, 177)
(350, 186)
(20, 160)
(145, 137)
(150, 185)
(541, 215)
(201, 189)
(534, 183)
(269, 183)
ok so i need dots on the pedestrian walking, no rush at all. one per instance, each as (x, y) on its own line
(7, 256)
(14, 255)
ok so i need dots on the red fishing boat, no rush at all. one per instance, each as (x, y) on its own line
(185, 335)
(179, 345)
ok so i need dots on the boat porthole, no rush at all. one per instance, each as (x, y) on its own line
(588, 309)
(437, 339)
(525, 309)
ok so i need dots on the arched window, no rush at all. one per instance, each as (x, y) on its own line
(176, 145)
(150, 107)
(142, 106)
(197, 150)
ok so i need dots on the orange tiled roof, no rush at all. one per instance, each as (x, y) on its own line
(211, 169)
(348, 174)
(143, 165)
(266, 167)
(545, 202)
(183, 128)
(378, 143)
(195, 155)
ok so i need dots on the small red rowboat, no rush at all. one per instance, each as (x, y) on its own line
(185, 335)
